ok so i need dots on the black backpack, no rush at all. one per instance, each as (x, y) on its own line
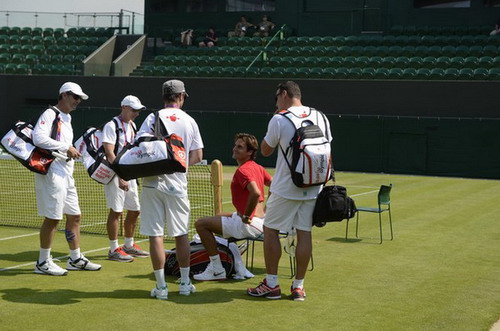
(333, 205)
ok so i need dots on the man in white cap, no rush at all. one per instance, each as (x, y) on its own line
(122, 194)
(164, 198)
(55, 192)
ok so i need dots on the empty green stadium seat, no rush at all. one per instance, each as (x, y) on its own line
(494, 74)
(315, 72)
(10, 68)
(17, 58)
(470, 51)
(401, 62)
(367, 73)
(388, 62)
(448, 51)
(31, 59)
(436, 74)
(415, 62)
(23, 69)
(48, 32)
(485, 62)
(14, 30)
(342, 73)
(395, 73)
(456, 62)
(480, 74)
(5, 58)
(422, 73)
(470, 61)
(374, 62)
(354, 73)
(429, 62)
(58, 32)
(451, 73)
(465, 74)
(4, 30)
(490, 50)
(409, 73)
(381, 73)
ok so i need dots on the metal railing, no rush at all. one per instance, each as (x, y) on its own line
(280, 33)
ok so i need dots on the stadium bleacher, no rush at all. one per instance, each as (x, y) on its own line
(433, 53)
(48, 51)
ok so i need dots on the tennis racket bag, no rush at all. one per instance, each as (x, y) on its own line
(199, 260)
(19, 143)
(154, 155)
(94, 157)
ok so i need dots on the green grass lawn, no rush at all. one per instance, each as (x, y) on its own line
(441, 272)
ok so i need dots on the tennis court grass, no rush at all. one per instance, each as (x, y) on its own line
(441, 272)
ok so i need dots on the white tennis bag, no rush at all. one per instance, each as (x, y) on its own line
(93, 156)
(18, 142)
(152, 155)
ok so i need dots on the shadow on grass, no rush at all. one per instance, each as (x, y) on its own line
(344, 241)
(67, 297)
(27, 256)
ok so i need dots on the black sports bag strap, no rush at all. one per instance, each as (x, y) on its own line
(55, 123)
(284, 114)
(117, 132)
(88, 143)
(159, 128)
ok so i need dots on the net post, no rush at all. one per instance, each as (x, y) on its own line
(217, 180)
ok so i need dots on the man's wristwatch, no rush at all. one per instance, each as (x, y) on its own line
(245, 219)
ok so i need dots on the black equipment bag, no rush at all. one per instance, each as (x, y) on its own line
(333, 205)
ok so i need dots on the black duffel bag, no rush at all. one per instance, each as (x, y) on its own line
(333, 205)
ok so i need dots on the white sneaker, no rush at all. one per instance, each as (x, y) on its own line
(186, 289)
(211, 274)
(82, 263)
(48, 267)
(160, 293)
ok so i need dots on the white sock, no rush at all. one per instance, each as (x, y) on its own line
(216, 262)
(129, 242)
(74, 254)
(160, 278)
(298, 283)
(185, 275)
(113, 245)
(44, 254)
(272, 280)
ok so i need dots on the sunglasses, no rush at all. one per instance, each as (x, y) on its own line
(277, 95)
(76, 97)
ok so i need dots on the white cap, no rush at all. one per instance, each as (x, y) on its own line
(133, 102)
(73, 88)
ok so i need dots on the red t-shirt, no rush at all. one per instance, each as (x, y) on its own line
(248, 172)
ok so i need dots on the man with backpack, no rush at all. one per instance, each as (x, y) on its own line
(122, 194)
(295, 184)
(164, 198)
(56, 192)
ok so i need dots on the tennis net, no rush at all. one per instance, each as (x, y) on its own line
(18, 200)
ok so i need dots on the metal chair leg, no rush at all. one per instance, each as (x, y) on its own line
(346, 229)
(390, 223)
(380, 225)
(357, 218)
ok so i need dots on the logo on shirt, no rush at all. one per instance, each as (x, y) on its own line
(42, 122)
(172, 118)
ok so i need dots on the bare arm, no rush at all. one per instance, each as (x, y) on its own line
(109, 150)
(265, 149)
(195, 156)
(253, 199)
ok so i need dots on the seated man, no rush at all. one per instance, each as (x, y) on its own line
(264, 27)
(247, 191)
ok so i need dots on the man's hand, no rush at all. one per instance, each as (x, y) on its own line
(73, 153)
(123, 184)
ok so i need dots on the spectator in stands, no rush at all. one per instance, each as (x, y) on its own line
(241, 28)
(122, 194)
(210, 38)
(56, 192)
(264, 27)
(187, 37)
(497, 29)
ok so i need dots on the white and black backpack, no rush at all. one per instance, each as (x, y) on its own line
(309, 149)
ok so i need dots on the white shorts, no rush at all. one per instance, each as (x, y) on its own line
(159, 208)
(118, 199)
(284, 214)
(232, 226)
(56, 195)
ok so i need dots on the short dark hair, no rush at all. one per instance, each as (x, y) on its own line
(169, 98)
(291, 88)
(250, 141)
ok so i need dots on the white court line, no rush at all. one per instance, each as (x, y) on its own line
(35, 233)
(359, 194)
(61, 257)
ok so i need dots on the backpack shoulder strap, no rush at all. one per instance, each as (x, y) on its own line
(323, 116)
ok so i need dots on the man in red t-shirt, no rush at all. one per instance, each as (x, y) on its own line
(247, 191)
